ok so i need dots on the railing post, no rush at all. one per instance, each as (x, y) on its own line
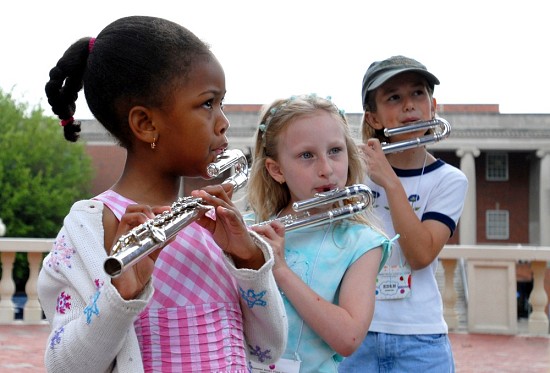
(449, 294)
(32, 311)
(7, 288)
(538, 320)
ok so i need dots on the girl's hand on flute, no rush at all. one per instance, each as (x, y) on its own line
(274, 234)
(132, 282)
(228, 227)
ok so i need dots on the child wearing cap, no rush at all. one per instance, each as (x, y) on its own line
(420, 198)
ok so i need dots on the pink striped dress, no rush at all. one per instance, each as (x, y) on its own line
(194, 321)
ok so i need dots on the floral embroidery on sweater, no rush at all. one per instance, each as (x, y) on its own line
(61, 254)
(253, 299)
(63, 302)
(262, 355)
(92, 308)
(56, 338)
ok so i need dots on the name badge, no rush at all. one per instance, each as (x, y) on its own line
(280, 366)
(393, 282)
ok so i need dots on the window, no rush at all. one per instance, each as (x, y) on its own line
(496, 168)
(497, 224)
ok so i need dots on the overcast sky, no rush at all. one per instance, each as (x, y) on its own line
(483, 52)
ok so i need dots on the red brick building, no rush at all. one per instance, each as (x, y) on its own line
(506, 158)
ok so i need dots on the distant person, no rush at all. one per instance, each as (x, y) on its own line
(326, 273)
(420, 198)
(210, 300)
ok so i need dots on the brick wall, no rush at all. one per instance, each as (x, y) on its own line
(108, 163)
(511, 195)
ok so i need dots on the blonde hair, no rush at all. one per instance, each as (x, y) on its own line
(265, 195)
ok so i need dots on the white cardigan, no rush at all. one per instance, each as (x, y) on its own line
(92, 326)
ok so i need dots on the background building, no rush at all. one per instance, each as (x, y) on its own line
(506, 158)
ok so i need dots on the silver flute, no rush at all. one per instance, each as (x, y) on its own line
(441, 127)
(360, 193)
(142, 240)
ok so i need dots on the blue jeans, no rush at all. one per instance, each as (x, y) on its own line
(382, 353)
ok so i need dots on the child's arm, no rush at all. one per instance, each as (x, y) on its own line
(131, 282)
(344, 326)
(420, 241)
(91, 325)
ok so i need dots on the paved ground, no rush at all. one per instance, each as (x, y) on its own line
(482, 353)
(22, 350)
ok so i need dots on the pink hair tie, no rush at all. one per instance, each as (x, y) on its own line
(91, 45)
(64, 122)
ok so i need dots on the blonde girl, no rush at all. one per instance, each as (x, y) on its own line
(326, 273)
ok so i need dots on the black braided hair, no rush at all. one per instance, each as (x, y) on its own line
(64, 84)
(137, 60)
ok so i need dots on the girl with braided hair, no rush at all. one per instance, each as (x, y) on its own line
(208, 300)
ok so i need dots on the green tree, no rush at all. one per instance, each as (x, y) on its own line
(41, 174)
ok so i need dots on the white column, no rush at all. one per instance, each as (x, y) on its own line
(468, 220)
(467, 235)
(538, 319)
(544, 197)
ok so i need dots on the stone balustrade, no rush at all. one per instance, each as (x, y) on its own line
(492, 287)
(493, 290)
(35, 248)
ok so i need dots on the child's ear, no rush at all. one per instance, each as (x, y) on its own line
(141, 123)
(371, 119)
(274, 170)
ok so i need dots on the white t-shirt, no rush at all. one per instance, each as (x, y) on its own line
(436, 192)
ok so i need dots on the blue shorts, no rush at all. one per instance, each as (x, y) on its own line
(394, 353)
